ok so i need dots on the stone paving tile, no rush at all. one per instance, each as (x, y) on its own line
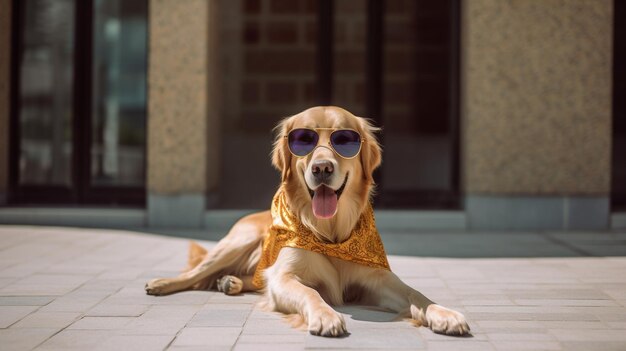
(27, 268)
(6, 281)
(568, 294)
(538, 336)
(76, 267)
(564, 302)
(75, 340)
(589, 335)
(278, 346)
(215, 317)
(199, 348)
(85, 291)
(25, 300)
(69, 305)
(532, 325)
(44, 284)
(617, 325)
(101, 323)
(41, 319)
(593, 345)
(591, 325)
(359, 339)
(113, 310)
(134, 343)
(12, 314)
(161, 320)
(459, 345)
(486, 302)
(199, 336)
(122, 273)
(106, 285)
(19, 339)
(75, 302)
(272, 339)
(526, 345)
(137, 296)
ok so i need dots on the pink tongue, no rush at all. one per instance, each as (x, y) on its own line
(324, 202)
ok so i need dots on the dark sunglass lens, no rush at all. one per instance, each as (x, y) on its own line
(302, 141)
(347, 143)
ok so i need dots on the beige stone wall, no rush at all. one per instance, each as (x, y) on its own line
(177, 107)
(5, 55)
(215, 98)
(536, 96)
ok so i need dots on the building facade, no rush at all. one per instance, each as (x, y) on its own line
(495, 114)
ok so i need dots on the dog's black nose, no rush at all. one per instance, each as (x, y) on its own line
(322, 169)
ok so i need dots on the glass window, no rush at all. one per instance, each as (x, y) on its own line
(118, 93)
(81, 102)
(46, 90)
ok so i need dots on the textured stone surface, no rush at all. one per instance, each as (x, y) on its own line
(574, 300)
(5, 81)
(537, 96)
(177, 101)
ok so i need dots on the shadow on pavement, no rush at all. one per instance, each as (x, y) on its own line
(471, 244)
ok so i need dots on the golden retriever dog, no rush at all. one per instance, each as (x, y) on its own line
(326, 157)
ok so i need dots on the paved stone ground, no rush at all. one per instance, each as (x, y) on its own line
(71, 288)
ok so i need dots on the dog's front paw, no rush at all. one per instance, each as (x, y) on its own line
(327, 322)
(444, 320)
(158, 287)
(230, 285)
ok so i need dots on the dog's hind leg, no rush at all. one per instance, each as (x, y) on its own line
(238, 253)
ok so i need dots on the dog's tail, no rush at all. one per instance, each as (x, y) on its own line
(196, 255)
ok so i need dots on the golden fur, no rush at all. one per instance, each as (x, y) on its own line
(304, 283)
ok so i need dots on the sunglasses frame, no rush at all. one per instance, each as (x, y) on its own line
(329, 142)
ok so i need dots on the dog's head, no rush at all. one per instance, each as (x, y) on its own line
(330, 170)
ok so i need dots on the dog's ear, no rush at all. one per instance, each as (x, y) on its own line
(281, 157)
(370, 151)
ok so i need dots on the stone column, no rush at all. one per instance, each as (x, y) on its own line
(177, 110)
(5, 86)
(536, 113)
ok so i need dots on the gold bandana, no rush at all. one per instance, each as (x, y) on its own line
(363, 247)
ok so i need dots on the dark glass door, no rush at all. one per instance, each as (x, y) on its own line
(393, 61)
(397, 62)
(419, 104)
(79, 102)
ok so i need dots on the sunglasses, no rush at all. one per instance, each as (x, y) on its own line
(345, 142)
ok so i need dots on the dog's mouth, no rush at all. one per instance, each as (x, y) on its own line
(324, 199)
